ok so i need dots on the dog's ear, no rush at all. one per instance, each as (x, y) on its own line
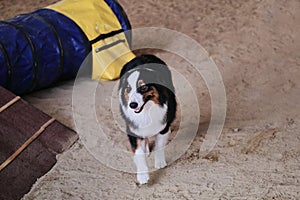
(152, 62)
(141, 60)
(148, 58)
(162, 75)
(137, 61)
(127, 67)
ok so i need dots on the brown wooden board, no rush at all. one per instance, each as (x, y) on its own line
(17, 124)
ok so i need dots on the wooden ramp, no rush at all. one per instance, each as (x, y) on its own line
(20, 123)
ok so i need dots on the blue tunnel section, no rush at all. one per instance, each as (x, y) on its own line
(39, 49)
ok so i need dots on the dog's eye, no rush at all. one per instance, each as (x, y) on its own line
(128, 89)
(143, 89)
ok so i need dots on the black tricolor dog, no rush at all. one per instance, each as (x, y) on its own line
(148, 105)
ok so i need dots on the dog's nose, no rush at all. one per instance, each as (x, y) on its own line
(133, 105)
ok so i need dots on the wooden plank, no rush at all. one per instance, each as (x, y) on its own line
(18, 123)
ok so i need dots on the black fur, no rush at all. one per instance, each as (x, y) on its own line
(155, 74)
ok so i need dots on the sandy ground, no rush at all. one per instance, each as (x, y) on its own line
(255, 45)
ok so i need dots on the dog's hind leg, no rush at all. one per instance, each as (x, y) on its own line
(140, 160)
(159, 150)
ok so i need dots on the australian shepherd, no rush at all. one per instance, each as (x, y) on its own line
(148, 105)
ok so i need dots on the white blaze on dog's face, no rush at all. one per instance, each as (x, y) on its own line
(140, 103)
(135, 99)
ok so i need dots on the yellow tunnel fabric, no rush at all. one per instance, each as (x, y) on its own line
(96, 18)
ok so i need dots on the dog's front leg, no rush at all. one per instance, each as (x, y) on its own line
(140, 161)
(159, 154)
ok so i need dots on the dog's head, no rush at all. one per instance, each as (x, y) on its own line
(143, 80)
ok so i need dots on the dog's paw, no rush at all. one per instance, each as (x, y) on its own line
(142, 178)
(159, 160)
(160, 163)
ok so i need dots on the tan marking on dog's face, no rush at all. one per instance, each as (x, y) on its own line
(154, 95)
(126, 93)
(140, 83)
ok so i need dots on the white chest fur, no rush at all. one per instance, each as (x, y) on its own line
(150, 121)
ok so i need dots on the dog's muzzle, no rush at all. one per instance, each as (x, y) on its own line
(134, 105)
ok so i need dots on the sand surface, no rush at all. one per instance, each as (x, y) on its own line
(255, 45)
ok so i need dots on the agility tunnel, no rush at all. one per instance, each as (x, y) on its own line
(49, 45)
(37, 50)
